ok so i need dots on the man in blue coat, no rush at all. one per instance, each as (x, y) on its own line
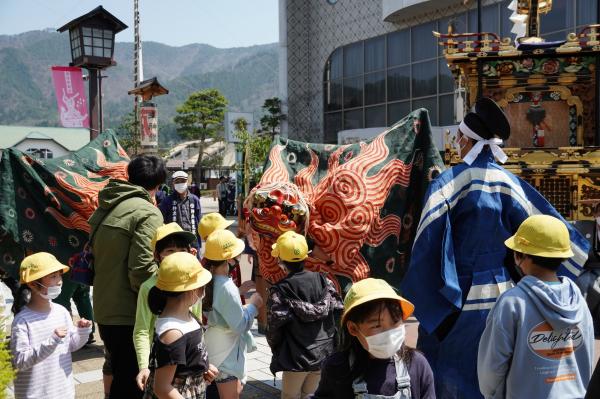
(457, 268)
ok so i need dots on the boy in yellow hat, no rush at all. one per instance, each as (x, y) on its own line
(228, 334)
(539, 338)
(301, 319)
(373, 360)
(179, 361)
(43, 335)
(168, 239)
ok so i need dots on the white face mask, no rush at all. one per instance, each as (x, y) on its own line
(53, 292)
(180, 187)
(386, 344)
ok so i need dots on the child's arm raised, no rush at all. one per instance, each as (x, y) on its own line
(24, 354)
(78, 334)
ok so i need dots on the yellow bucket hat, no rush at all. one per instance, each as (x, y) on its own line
(371, 289)
(212, 222)
(181, 271)
(39, 265)
(290, 247)
(223, 245)
(542, 235)
(171, 229)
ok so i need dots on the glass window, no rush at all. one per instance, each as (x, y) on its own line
(375, 54)
(556, 36)
(108, 34)
(97, 32)
(424, 44)
(88, 50)
(107, 43)
(398, 48)
(333, 124)
(447, 110)
(98, 42)
(446, 78)
(431, 105)
(333, 95)
(587, 12)
(375, 88)
(333, 69)
(353, 92)
(489, 19)
(87, 31)
(353, 119)
(353, 59)
(97, 51)
(375, 116)
(107, 53)
(398, 81)
(559, 18)
(505, 23)
(424, 79)
(87, 41)
(397, 111)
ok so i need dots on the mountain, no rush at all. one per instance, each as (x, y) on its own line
(245, 75)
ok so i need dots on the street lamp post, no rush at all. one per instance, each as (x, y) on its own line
(92, 40)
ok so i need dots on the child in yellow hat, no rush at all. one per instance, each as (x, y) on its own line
(43, 334)
(228, 335)
(302, 313)
(538, 340)
(168, 239)
(178, 359)
(373, 360)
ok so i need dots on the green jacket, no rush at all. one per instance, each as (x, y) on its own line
(123, 258)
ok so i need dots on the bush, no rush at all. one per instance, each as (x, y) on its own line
(7, 373)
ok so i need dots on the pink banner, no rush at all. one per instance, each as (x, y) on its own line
(70, 95)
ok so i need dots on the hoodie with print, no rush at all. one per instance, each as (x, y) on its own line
(538, 343)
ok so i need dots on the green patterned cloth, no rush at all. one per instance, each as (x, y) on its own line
(45, 203)
(365, 200)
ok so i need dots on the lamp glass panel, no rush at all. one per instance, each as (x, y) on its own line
(97, 32)
(107, 53)
(87, 41)
(88, 49)
(87, 31)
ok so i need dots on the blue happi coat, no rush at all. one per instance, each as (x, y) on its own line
(457, 270)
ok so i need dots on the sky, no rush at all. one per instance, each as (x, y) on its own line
(220, 23)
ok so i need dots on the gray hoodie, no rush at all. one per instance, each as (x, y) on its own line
(538, 343)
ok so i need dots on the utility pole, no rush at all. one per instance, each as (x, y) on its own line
(138, 71)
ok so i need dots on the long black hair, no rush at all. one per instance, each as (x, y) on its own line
(207, 302)
(351, 344)
(21, 298)
(157, 299)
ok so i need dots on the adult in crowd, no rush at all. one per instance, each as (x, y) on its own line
(457, 268)
(221, 194)
(124, 225)
(182, 207)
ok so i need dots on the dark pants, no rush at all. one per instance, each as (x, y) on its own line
(81, 296)
(223, 207)
(593, 390)
(118, 341)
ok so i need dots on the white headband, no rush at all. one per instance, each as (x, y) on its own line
(481, 142)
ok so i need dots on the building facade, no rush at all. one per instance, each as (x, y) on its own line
(363, 64)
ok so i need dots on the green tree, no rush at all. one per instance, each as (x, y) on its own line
(255, 149)
(200, 118)
(127, 133)
(271, 121)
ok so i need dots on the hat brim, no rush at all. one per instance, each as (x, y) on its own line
(531, 250)
(407, 307)
(56, 267)
(187, 235)
(199, 280)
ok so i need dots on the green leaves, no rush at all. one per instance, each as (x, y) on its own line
(201, 116)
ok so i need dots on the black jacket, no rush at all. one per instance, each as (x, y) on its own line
(301, 321)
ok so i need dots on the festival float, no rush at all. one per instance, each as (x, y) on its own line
(549, 92)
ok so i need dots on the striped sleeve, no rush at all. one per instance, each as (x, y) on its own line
(26, 354)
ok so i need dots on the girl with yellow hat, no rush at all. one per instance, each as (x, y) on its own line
(43, 335)
(374, 361)
(178, 360)
(228, 335)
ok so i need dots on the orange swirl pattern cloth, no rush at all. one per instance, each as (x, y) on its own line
(360, 203)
